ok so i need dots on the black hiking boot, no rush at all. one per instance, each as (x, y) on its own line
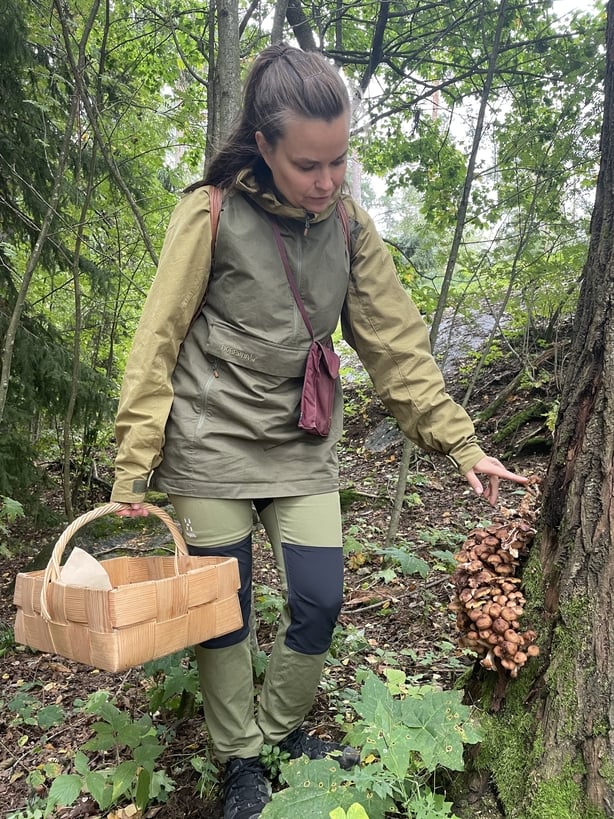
(299, 742)
(245, 788)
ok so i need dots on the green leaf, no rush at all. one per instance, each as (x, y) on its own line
(142, 789)
(445, 557)
(375, 696)
(387, 575)
(161, 785)
(124, 779)
(82, 763)
(375, 781)
(320, 773)
(147, 753)
(395, 679)
(10, 509)
(356, 811)
(317, 787)
(408, 562)
(64, 790)
(131, 735)
(50, 715)
(428, 805)
(436, 728)
(394, 751)
(103, 740)
(100, 789)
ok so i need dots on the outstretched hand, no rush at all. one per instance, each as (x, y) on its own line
(494, 469)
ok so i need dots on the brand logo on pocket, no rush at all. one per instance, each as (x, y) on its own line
(237, 353)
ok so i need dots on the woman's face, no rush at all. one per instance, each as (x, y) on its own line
(308, 163)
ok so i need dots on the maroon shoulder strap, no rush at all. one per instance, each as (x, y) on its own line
(215, 207)
(345, 224)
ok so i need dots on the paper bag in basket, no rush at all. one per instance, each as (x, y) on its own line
(81, 569)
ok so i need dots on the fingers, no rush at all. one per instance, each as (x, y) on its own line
(494, 467)
(133, 510)
(491, 493)
(495, 472)
(474, 482)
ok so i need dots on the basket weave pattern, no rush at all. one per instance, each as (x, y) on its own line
(157, 604)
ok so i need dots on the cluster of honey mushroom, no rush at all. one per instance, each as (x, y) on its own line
(488, 600)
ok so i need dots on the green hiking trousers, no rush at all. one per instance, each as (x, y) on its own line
(306, 540)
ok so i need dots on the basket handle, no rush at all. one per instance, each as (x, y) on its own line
(52, 572)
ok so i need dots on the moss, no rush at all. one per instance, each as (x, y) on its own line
(508, 750)
(533, 582)
(538, 410)
(601, 729)
(157, 498)
(570, 637)
(568, 641)
(607, 772)
(560, 798)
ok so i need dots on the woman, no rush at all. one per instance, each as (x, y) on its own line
(211, 394)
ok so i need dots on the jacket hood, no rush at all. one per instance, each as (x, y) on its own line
(269, 200)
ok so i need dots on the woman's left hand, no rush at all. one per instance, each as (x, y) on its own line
(495, 471)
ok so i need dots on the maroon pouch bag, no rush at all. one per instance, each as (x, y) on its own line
(322, 368)
(318, 396)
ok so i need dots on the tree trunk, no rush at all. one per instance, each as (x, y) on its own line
(565, 754)
(279, 19)
(577, 549)
(224, 76)
(228, 64)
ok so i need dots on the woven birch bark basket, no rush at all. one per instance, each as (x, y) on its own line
(156, 604)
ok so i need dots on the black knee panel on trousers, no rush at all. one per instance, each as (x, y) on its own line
(243, 552)
(315, 595)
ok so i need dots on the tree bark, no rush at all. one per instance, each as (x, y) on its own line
(577, 548)
(279, 18)
(228, 64)
(301, 27)
(568, 753)
(224, 74)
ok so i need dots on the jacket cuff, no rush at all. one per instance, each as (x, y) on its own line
(466, 458)
(129, 491)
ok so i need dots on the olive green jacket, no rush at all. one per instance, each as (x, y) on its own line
(210, 397)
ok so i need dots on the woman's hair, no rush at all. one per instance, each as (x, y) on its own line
(283, 82)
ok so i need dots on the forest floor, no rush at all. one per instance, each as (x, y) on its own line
(388, 619)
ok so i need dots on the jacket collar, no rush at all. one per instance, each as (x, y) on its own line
(270, 201)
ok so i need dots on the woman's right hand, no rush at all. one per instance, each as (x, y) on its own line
(133, 510)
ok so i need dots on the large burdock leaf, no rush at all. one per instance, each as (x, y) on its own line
(437, 727)
(316, 789)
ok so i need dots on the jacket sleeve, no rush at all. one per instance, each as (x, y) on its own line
(146, 394)
(383, 325)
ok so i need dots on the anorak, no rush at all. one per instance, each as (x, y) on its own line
(210, 398)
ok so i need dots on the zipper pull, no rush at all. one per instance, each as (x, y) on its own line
(307, 222)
